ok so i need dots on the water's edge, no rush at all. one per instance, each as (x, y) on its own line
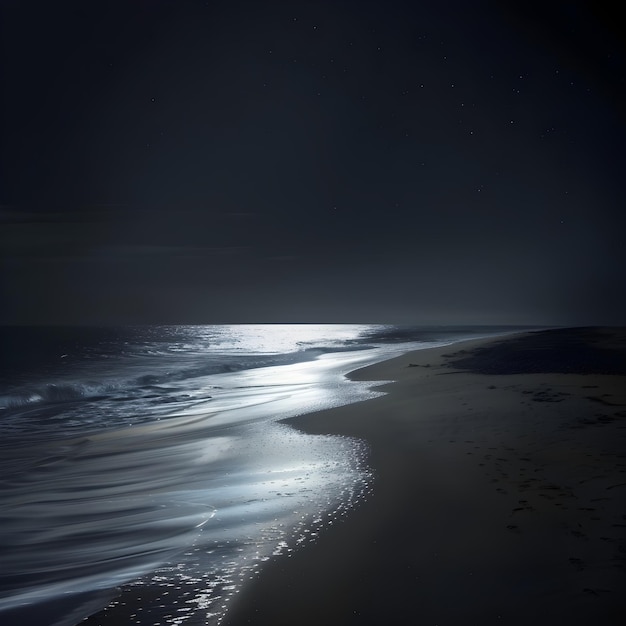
(182, 510)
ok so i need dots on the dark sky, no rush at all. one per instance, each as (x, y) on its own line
(323, 161)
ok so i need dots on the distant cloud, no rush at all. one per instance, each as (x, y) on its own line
(121, 251)
(17, 215)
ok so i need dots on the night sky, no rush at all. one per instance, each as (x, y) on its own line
(434, 162)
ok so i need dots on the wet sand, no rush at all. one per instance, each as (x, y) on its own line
(499, 493)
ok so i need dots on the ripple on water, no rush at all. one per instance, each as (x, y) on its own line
(276, 512)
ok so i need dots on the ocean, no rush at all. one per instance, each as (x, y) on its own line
(154, 457)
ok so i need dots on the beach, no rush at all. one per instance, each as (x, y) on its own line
(498, 496)
(147, 474)
(477, 481)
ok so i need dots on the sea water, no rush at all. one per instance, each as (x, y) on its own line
(155, 457)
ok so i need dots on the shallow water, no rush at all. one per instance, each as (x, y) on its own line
(189, 499)
(96, 511)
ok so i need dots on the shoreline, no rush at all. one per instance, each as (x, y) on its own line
(497, 497)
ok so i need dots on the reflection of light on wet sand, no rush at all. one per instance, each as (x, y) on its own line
(261, 511)
(205, 496)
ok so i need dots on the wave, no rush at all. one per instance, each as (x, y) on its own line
(164, 371)
(53, 393)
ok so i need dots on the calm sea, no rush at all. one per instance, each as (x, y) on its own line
(154, 456)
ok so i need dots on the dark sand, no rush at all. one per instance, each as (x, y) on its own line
(499, 493)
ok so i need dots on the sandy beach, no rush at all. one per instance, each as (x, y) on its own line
(499, 493)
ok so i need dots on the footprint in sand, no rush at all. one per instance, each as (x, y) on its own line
(579, 564)
(594, 592)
